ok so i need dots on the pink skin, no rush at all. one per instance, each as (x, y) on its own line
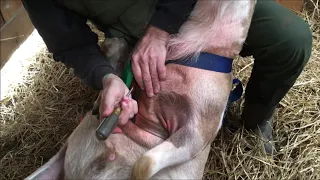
(169, 122)
(215, 31)
(112, 157)
(145, 152)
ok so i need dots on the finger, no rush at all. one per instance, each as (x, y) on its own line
(108, 100)
(135, 107)
(146, 78)
(116, 130)
(154, 74)
(137, 71)
(161, 68)
(125, 113)
(131, 115)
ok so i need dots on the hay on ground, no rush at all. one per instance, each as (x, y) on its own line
(41, 112)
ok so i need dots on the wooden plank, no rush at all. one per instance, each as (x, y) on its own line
(2, 21)
(9, 8)
(13, 33)
(294, 5)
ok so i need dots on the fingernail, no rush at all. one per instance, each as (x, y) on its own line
(125, 103)
(150, 94)
(125, 100)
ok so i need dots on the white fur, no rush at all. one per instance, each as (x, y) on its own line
(216, 24)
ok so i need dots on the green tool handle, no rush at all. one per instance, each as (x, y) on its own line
(127, 74)
(108, 124)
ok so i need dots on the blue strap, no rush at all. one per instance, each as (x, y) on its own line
(215, 63)
(237, 92)
(207, 61)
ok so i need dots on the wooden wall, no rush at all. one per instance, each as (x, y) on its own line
(15, 28)
(295, 5)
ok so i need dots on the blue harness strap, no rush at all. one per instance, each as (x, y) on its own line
(206, 61)
(237, 92)
(215, 63)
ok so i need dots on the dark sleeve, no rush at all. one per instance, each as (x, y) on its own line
(171, 14)
(70, 40)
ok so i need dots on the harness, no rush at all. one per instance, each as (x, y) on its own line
(205, 61)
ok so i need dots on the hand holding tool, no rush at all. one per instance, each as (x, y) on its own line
(109, 123)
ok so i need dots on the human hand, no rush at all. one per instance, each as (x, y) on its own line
(113, 93)
(148, 60)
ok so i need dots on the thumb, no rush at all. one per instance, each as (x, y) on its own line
(106, 110)
(108, 102)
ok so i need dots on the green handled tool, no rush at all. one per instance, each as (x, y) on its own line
(109, 123)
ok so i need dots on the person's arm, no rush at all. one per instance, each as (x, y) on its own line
(148, 58)
(70, 40)
(171, 14)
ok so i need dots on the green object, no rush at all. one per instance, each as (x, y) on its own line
(106, 76)
(127, 75)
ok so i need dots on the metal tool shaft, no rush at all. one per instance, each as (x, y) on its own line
(109, 123)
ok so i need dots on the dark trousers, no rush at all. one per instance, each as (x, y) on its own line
(280, 43)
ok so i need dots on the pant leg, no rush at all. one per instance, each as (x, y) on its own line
(280, 43)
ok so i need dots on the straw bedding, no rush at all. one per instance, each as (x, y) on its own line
(42, 111)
